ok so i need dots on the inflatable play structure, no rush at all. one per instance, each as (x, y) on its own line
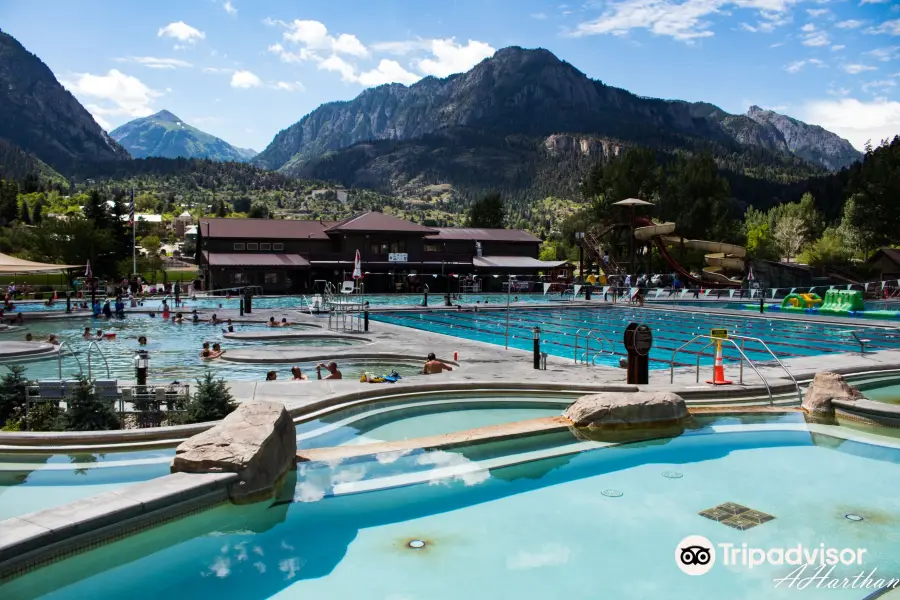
(721, 258)
(844, 303)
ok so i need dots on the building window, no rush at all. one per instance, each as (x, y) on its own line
(238, 278)
(388, 247)
(271, 278)
(252, 246)
(265, 246)
(432, 247)
(398, 246)
(278, 247)
(239, 246)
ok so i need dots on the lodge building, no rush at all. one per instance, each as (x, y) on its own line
(288, 256)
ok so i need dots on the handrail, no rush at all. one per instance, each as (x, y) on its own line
(736, 347)
(588, 335)
(59, 358)
(91, 346)
(780, 364)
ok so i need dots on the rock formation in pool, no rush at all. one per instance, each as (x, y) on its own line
(627, 416)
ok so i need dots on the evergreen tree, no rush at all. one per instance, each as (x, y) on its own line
(487, 212)
(87, 412)
(37, 212)
(259, 211)
(220, 209)
(96, 210)
(13, 394)
(24, 213)
(9, 202)
(211, 402)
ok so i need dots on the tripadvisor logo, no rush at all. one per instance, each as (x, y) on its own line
(811, 566)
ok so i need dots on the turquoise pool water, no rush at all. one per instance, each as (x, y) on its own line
(174, 349)
(30, 483)
(671, 329)
(603, 523)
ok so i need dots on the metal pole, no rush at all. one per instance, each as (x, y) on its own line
(508, 288)
(631, 241)
(536, 334)
(133, 235)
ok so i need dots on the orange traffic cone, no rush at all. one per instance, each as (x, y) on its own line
(719, 369)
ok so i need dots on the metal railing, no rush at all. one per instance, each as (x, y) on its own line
(731, 340)
(588, 335)
(91, 347)
(59, 355)
(861, 341)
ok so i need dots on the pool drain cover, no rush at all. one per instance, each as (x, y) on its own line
(852, 517)
(736, 516)
(611, 493)
(416, 544)
(672, 474)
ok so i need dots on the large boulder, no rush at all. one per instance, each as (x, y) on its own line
(627, 415)
(825, 387)
(257, 441)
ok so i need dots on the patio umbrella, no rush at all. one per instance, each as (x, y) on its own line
(357, 267)
(89, 279)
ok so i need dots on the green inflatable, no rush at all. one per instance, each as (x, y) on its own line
(842, 302)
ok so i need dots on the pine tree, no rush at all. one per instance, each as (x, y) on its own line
(24, 214)
(13, 394)
(87, 412)
(211, 402)
(37, 212)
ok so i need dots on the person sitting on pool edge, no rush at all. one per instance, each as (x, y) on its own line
(333, 372)
(298, 374)
(433, 366)
(271, 376)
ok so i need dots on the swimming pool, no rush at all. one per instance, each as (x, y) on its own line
(599, 523)
(33, 482)
(174, 349)
(671, 329)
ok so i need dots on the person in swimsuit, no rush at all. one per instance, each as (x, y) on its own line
(433, 366)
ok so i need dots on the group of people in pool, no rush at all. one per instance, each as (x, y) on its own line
(273, 323)
(87, 335)
(332, 372)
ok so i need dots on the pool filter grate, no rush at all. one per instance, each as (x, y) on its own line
(736, 516)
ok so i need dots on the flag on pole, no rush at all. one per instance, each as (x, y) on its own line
(87, 270)
(357, 267)
(131, 209)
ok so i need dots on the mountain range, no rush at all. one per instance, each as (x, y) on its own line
(166, 136)
(42, 118)
(533, 94)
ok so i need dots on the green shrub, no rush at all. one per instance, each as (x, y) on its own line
(43, 416)
(211, 402)
(87, 412)
(13, 394)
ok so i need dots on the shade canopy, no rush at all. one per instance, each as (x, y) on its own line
(11, 264)
(632, 202)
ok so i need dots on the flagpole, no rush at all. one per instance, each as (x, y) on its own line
(133, 236)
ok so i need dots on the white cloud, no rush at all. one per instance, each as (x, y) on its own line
(388, 71)
(229, 7)
(338, 65)
(856, 120)
(217, 70)
(401, 48)
(816, 38)
(684, 21)
(881, 84)
(855, 69)
(539, 16)
(289, 86)
(244, 79)
(885, 54)
(313, 35)
(450, 57)
(292, 57)
(861, 2)
(113, 94)
(152, 62)
(817, 12)
(797, 65)
(837, 47)
(808, 27)
(181, 31)
(889, 27)
(849, 24)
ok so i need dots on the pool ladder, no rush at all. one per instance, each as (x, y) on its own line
(587, 335)
(731, 340)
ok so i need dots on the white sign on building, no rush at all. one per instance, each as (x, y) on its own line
(398, 257)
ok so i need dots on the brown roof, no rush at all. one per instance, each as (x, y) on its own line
(263, 228)
(376, 221)
(893, 255)
(483, 235)
(249, 259)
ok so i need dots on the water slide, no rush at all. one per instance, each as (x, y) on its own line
(721, 257)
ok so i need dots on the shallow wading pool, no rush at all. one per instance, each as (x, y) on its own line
(605, 522)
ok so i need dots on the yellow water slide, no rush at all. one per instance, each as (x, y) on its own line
(720, 258)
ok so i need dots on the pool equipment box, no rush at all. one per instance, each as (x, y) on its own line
(638, 340)
(718, 334)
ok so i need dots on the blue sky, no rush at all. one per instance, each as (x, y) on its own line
(245, 69)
